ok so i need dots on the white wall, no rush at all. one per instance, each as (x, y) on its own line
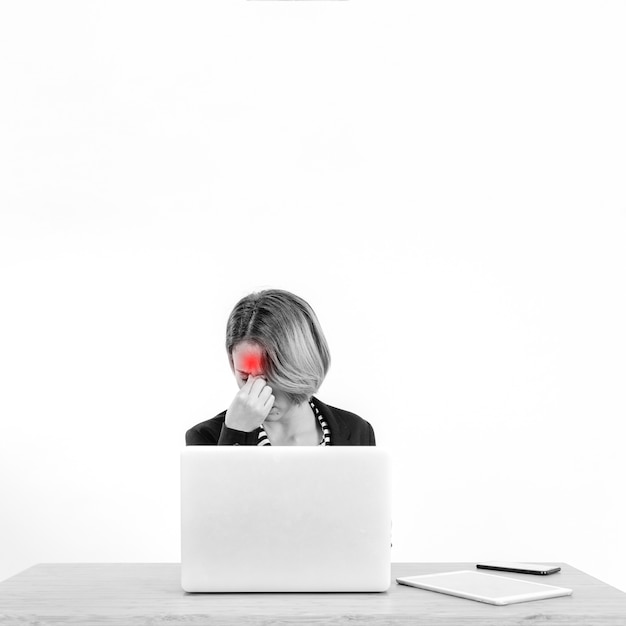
(442, 181)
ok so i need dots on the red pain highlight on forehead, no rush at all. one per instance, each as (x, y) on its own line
(251, 362)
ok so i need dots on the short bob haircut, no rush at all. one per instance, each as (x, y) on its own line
(295, 353)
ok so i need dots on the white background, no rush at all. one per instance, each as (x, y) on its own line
(443, 181)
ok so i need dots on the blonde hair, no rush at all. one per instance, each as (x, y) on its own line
(295, 353)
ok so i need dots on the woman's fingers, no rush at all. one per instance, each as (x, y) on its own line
(251, 405)
(269, 403)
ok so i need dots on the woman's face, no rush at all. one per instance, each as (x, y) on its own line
(247, 361)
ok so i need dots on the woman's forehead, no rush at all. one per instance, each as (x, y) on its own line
(251, 362)
(248, 357)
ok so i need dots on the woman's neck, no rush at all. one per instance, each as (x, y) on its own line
(297, 424)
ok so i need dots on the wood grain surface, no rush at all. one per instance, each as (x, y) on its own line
(150, 594)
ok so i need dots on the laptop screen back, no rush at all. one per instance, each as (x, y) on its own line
(303, 518)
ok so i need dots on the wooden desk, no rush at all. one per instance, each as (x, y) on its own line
(138, 594)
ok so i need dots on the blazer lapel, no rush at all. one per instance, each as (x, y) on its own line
(340, 434)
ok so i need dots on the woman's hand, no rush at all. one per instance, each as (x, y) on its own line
(251, 405)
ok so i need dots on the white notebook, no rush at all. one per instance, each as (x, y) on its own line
(489, 588)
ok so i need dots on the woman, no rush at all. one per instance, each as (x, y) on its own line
(279, 357)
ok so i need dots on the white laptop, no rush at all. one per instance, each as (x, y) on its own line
(270, 518)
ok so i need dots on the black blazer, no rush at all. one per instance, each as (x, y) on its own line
(346, 429)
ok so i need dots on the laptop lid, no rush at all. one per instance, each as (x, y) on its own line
(302, 518)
